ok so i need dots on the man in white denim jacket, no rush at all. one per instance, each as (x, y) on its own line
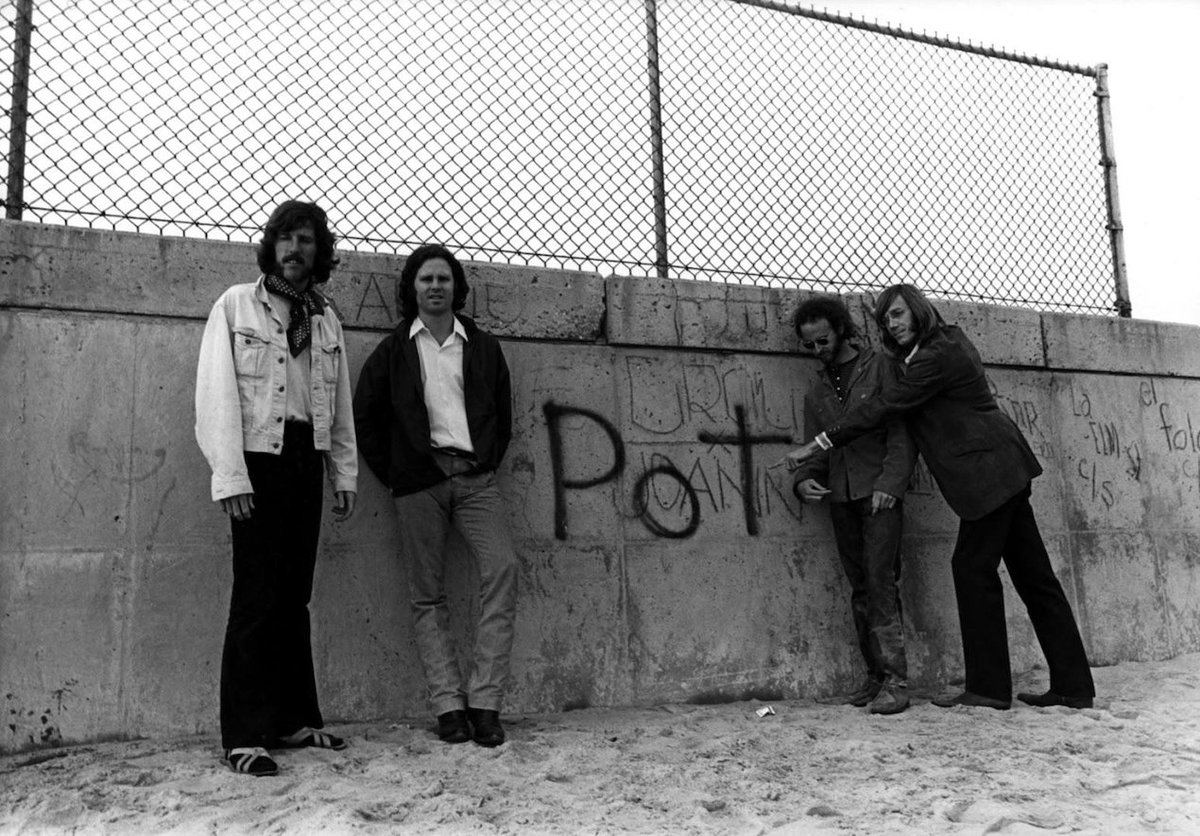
(273, 413)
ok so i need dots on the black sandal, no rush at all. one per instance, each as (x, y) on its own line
(250, 760)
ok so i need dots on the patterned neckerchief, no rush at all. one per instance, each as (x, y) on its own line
(305, 306)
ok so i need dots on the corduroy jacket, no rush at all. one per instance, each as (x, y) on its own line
(393, 422)
(881, 459)
(975, 452)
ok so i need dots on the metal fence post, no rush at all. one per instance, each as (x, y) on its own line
(1116, 231)
(20, 110)
(656, 140)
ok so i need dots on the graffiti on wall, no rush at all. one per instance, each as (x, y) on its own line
(661, 485)
(1177, 435)
(1024, 413)
(374, 299)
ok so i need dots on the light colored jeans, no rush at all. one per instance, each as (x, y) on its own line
(472, 504)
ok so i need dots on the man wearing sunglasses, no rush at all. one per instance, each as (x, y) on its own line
(864, 483)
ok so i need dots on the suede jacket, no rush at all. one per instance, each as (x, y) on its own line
(241, 389)
(975, 452)
(393, 421)
(879, 460)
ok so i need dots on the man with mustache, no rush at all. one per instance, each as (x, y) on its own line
(985, 469)
(433, 409)
(273, 414)
(864, 483)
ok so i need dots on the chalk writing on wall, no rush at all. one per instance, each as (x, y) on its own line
(92, 463)
(1109, 452)
(717, 486)
(1024, 413)
(377, 303)
(373, 297)
(689, 393)
(1177, 433)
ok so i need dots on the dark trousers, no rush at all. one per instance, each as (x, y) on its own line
(268, 688)
(869, 547)
(1011, 533)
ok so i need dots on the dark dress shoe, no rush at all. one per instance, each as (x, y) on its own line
(973, 700)
(453, 728)
(486, 723)
(1050, 698)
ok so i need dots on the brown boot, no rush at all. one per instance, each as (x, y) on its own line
(891, 699)
(864, 693)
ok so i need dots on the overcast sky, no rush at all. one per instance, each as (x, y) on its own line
(1148, 46)
(1144, 42)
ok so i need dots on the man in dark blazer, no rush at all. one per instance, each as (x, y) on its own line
(864, 483)
(433, 413)
(984, 468)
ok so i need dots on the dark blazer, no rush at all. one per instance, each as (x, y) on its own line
(392, 421)
(974, 451)
(881, 459)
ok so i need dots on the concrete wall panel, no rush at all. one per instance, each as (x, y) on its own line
(1004, 336)
(363, 648)
(932, 638)
(687, 314)
(566, 412)
(507, 301)
(178, 599)
(1130, 450)
(68, 479)
(96, 270)
(1116, 345)
(62, 624)
(1178, 555)
(636, 402)
(572, 646)
(1121, 603)
(748, 620)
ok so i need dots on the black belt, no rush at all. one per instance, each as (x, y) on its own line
(456, 453)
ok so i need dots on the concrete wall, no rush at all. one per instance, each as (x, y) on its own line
(686, 572)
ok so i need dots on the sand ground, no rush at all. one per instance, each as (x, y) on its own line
(1130, 765)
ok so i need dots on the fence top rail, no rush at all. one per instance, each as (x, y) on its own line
(920, 37)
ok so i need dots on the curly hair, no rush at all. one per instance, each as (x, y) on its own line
(291, 215)
(406, 295)
(829, 308)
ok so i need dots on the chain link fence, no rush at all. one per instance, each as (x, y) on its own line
(738, 141)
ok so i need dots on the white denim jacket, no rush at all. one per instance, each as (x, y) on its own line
(241, 389)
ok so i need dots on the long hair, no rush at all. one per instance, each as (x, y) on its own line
(926, 318)
(829, 308)
(406, 295)
(291, 215)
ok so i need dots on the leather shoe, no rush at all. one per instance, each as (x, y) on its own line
(892, 699)
(486, 723)
(453, 728)
(974, 700)
(1050, 698)
(864, 693)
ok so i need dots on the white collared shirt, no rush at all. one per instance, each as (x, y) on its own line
(442, 378)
